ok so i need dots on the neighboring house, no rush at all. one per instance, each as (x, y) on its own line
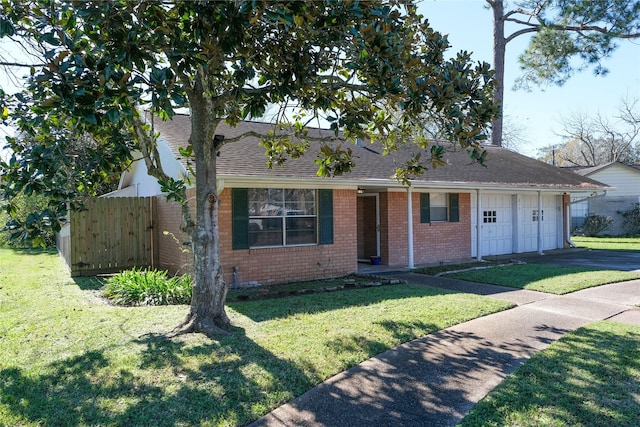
(286, 223)
(624, 191)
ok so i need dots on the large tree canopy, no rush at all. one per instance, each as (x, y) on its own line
(568, 36)
(371, 70)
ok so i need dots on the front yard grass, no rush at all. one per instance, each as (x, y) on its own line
(608, 243)
(590, 377)
(553, 279)
(70, 358)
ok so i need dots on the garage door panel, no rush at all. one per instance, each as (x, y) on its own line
(496, 227)
(502, 235)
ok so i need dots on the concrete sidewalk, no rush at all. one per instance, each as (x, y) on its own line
(436, 380)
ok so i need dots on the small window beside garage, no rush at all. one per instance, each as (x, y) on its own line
(534, 215)
(439, 207)
(489, 217)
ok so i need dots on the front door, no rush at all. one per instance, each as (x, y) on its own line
(368, 229)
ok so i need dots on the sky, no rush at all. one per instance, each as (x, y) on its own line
(538, 113)
(469, 26)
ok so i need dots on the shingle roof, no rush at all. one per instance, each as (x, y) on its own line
(246, 158)
(589, 170)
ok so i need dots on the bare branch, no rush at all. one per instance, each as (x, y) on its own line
(518, 33)
(19, 64)
(280, 135)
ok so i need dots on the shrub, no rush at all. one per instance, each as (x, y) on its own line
(148, 287)
(595, 224)
(631, 219)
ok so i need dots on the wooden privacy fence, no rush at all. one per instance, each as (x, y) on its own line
(109, 235)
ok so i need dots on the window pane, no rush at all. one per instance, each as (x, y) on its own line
(489, 216)
(280, 217)
(438, 214)
(438, 199)
(265, 201)
(301, 230)
(265, 232)
(300, 202)
(438, 207)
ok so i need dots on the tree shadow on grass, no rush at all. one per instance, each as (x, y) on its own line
(262, 310)
(591, 377)
(179, 381)
(233, 380)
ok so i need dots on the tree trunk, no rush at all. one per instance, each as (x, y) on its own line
(499, 47)
(207, 314)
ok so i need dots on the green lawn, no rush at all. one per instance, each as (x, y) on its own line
(608, 243)
(69, 358)
(591, 377)
(546, 278)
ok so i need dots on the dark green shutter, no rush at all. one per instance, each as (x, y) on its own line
(425, 206)
(325, 216)
(454, 207)
(240, 218)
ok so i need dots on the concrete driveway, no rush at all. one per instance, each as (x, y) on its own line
(604, 259)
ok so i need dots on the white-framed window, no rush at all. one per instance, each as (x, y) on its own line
(282, 217)
(489, 217)
(438, 207)
(579, 213)
(534, 215)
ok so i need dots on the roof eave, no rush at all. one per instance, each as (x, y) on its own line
(257, 181)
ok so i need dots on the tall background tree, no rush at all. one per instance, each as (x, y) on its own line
(567, 36)
(598, 140)
(346, 63)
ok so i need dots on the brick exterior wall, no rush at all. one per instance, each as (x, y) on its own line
(442, 241)
(393, 229)
(267, 265)
(278, 265)
(174, 249)
(432, 242)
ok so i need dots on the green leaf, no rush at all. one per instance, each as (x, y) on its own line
(186, 152)
(113, 115)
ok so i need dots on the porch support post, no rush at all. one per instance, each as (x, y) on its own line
(409, 228)
(478, 225)
(540, 223)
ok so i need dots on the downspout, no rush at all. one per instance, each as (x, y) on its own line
(540, 252)
(478, 226)
(568, 226)
(409, 228)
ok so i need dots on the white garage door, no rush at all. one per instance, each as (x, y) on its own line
(528, 216)
(496, 225)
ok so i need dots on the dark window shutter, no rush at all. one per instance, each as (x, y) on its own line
(240, 217)
(454, 207)
(325, 216)
(425, 206)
